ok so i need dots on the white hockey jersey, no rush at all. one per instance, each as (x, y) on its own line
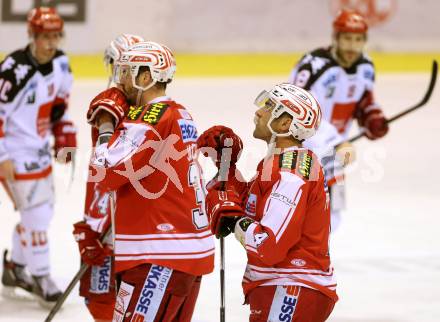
(337, 89)
(341, 92)
(30, 97)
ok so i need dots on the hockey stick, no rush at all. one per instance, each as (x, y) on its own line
(222, 279)
(223, 176)
(84, 267)
(424, 100)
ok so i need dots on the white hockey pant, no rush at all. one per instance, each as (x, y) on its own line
(30, 244)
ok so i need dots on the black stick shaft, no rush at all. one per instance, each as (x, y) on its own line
(84, 267)
(222, 279)
(424, 100)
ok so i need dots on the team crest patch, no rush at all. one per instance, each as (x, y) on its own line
(154, 113)
(251, 205)
(122, 301)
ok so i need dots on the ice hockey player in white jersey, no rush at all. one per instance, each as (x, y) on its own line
(35, 83)
(341, 77)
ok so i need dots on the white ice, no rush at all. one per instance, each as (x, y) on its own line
(386, 252)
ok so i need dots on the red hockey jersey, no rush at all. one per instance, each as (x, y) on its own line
(151, 163)
(288, 242)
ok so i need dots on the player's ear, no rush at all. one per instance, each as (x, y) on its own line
(285, 121)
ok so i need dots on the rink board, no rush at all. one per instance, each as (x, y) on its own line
(386, 253)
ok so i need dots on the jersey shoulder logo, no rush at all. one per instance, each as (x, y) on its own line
(8, 63)
(20, 72)
(188, 130)
(154, 113)
(134, 112)
(15, 73)
(300, 162)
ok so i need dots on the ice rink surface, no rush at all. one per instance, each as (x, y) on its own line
(386, 252)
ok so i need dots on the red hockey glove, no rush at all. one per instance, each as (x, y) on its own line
(223, 209)
(112, 101)
(92, 251)
(65, 140)
(224, 141)
(375, 125)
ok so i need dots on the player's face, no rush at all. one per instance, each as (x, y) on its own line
(261, 119)
(45, 45)
(349, 47)
(124, 80)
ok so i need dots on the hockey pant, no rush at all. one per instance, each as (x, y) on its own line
(291, 303)
(152, 293)
(98, 288)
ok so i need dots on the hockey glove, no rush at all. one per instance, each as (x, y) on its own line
(65, 141)
(375, 125)
(224, 142)
(223, 209)
(92, 251)
(112, 101)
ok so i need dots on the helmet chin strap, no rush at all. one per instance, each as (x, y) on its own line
(271, 146)
(141, 89)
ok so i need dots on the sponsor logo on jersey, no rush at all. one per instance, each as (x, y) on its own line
(304, 165)
(154, 113)
(298, 262)
(65, 67)
(288, 160)
(330, 79)
(369, 74)
(152, 293)
(300, 162)
(100, 277)
(122, 301)
(50, 89)
(31, 98)
(165, 227)
(284, 303)
(134, 112)
(188, 130)
(284, 199)
(251, 205)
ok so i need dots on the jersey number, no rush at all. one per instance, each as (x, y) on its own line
(200, 219)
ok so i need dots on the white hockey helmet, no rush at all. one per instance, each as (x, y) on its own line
(297, 102)
(119, 45)
(158, 58)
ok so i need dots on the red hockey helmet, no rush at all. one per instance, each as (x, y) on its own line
(44, 19)
(350, 21)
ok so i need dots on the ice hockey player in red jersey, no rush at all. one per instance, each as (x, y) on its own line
(341, 77)
(106, 111)
(35, 84)
(163, 244)
(284, 220)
